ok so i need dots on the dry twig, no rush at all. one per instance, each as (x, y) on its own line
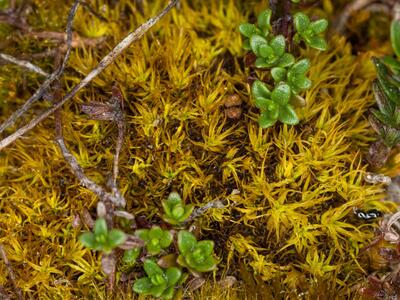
(23, 63)
(106, 61)
(55, 75)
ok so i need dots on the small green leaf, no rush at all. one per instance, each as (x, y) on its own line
(157, 290)
(319, 26)
(143, 234)
(301, 67)
(151, 268)
(186, 241)
(153, 249)
(207, 265)
(285, 60)
(206, 247)
(287, 115)
(142, 286)
(131, 255)
(256, 41)
(278, 45)
(281, 94)
(264, 19)
(302, 83)
(173, 275)
(166, 239)
(155, 232)
(278, 74)
(168, 293)
(246, 44)
(265, 51)
(301, 22)
(87, 239)
(392, 63)
(266, 120)
(260, 90)
(264, 63)
(247, 29)
(317, 42)
(100, 227)
(116, 237)
(395, 36)
(263, 103)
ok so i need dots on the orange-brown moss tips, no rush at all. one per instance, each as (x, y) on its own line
(289, 192)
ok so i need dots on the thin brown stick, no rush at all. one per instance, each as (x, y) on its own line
(105, 62)
(76, 168)
(23, 63)
(10, 272)
(55, 75)
(348, 11)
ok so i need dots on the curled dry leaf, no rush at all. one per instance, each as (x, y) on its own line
(108, 263)
(377, 178)
(227, 282)
(195, 284)
(131, 242)
(124, 214)
(168, 261)
(87, 218)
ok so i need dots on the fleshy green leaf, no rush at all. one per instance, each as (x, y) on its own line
(319, 26)
(186, 241)
(302, 83)
(263, 63)
(151, 268)
(142, 286)
(155, 232)
(395, 36)
(287, 115)
(100, 227)
(285, 60)
(153, 249)
(188, 211)
(87, 239)
(392, 63)
(168, 293)
(281, 94)
(143, 234)
(207, 265)
(246, 44)
(265, 51)
(301, 67)
(256, 41)
(266, 120)
(206, 246)
(116, 237)
(264, 19)
(166, 239)
(301, 22)
(157, 290)
(278, 45)
(278, 74)
(173, 275)
(317, 42)
(263, 103)
(247, 29)
(260, 90)
(131, 255)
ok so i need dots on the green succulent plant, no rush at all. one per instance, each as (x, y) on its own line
(262, 28)
(274, 105)
(158, 283)
(194, 255)
(101, 238)
(130, 256)
(176, 212)
(310, 32)
(155, 239)
(294, 76)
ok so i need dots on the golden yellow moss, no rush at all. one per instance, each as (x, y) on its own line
(291, 226)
